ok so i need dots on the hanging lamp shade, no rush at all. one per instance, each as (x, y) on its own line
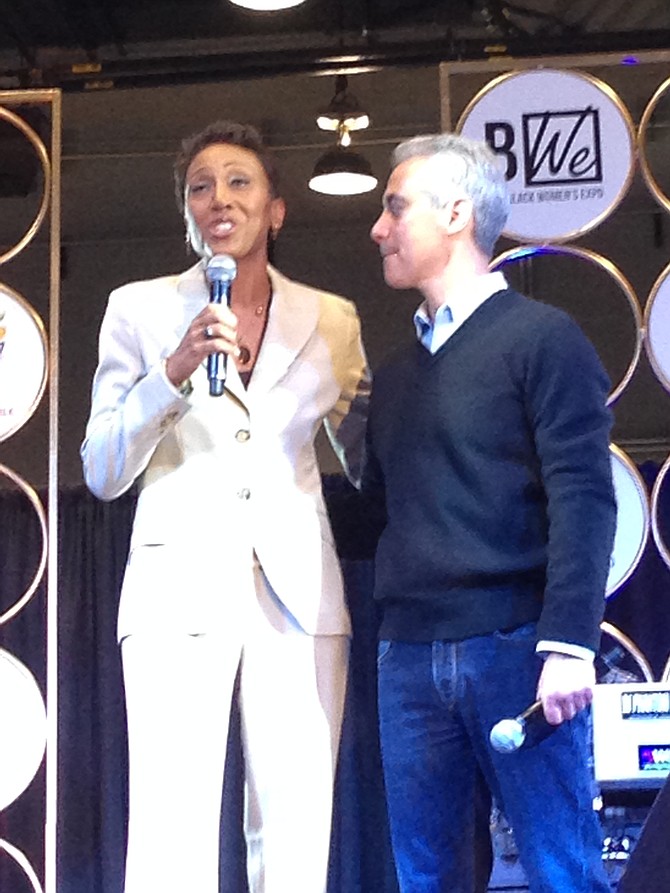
(342, 172)
(267, 5)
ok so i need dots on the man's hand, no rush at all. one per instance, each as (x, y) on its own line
(565, 686)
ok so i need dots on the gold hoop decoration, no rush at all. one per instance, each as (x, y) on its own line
(657, 533)
(23, 740)
(23, 361)
(657, 328)
(527, 252)
(643, 146)
(611, 672)
(632, 524)
(43, 156)
(22, 861)
(34, 499)
(568, 142)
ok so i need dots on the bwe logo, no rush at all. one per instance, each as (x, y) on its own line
(558, 148)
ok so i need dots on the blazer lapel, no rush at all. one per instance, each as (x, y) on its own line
(293, 318)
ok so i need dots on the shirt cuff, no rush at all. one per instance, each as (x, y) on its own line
(545, 646)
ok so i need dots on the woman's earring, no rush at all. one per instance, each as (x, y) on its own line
(187, 242)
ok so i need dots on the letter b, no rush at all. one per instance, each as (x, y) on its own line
(500, 137)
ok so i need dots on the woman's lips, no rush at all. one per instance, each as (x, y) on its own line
(221, 228)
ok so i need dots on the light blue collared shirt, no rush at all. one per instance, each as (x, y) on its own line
(433, 333)
(450, 317)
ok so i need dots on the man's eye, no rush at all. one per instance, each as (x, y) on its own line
(395, 207)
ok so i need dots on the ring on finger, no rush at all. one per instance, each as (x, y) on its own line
(209, 332)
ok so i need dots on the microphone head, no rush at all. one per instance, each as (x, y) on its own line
(220, 268)
(508, 735)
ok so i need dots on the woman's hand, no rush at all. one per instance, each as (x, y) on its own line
(213, 330)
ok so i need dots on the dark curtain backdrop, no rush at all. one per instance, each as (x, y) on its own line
(92, 756)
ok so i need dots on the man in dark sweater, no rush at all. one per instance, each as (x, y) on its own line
(489, 439)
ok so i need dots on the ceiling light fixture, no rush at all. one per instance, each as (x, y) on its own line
(343, 110)
(267, 5)
(341, 171)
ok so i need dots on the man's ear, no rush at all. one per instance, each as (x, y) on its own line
(456, 216)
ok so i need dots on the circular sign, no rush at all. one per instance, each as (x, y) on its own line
(632, 523)
(23, 722)
(571, 300)
(657, 328)
(40, 149)
(568, 144)
(23, 361)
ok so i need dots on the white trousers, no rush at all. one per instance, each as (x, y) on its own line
(178, 695)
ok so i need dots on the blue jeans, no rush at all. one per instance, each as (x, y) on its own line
(437, 704)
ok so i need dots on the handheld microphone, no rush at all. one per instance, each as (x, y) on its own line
(508, 735)
(219, 273)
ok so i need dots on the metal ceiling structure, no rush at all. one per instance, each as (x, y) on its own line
(84, 44)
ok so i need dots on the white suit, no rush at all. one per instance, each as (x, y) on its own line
(232, 570)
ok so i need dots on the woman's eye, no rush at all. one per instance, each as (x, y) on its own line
(239, 181)
(196, 188)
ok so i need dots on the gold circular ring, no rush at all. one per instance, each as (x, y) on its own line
(525, 252)
(43, 156)
(618, 456)
(35, 327)
(628, 645)
(655, 499)
(34, 500)
(649, 328)
(23, 862)
(642, 129)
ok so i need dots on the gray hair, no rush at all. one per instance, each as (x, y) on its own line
(473, 167)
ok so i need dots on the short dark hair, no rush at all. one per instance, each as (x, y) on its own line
(232, 133)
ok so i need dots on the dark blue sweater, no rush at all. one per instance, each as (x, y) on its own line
(493, 455)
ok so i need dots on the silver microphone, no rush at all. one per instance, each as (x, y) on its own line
(219, 273)
(508, 735)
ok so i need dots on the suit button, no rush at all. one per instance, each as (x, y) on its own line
(242, 435)
(245, 493)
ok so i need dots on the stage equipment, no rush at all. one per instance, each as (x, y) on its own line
(631, 734)
(568, 143)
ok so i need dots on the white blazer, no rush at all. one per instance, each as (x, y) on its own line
(223, 477)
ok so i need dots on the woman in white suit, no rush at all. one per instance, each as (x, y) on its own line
(232, 586)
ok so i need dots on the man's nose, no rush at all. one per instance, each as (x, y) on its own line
(378, 231)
